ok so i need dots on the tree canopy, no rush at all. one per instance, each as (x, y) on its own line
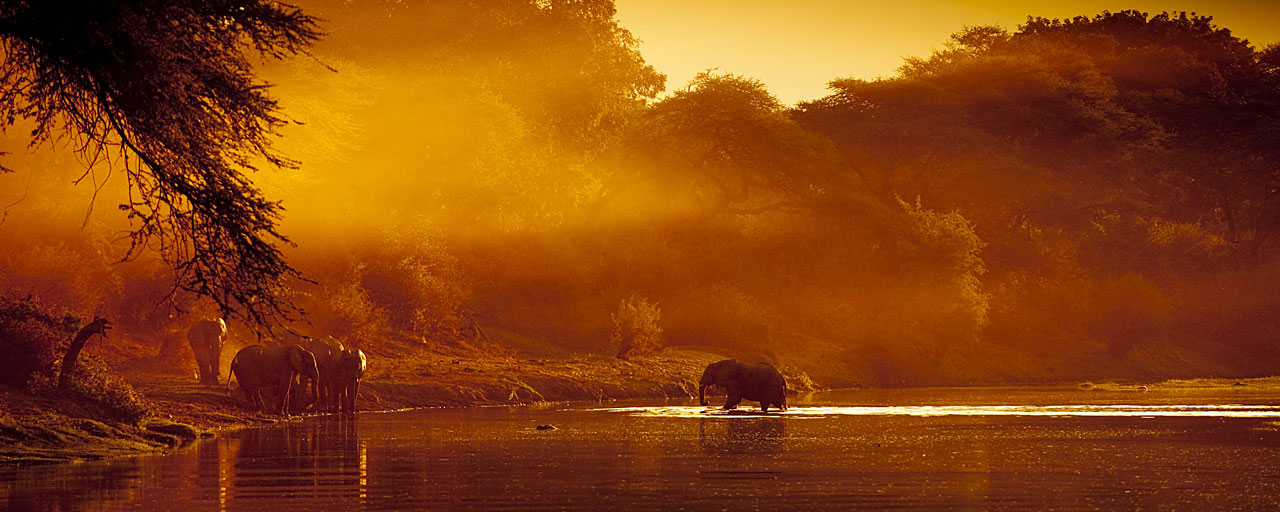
(164, 91)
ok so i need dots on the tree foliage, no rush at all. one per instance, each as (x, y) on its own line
(164, 92)
(728, 145)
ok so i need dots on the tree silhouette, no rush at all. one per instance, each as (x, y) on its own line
(164, 90)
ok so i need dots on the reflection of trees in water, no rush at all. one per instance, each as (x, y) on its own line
(69, 486)
(319, 459)
(742, 435)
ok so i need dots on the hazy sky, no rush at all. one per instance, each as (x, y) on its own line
(797, 46)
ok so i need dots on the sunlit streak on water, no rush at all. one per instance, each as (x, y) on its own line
(364, 472)
(1144, 411)
(224, 472)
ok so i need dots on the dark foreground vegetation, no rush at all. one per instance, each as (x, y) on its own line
(504, 182)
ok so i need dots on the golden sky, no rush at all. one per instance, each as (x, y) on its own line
(797, 46)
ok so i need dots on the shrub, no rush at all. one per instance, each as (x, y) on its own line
(93, 384)
(635, 328)
(32, 342)
(31, 339)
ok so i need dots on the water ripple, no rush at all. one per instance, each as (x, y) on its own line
(1214, 411)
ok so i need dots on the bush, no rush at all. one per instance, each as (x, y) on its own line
(31, 340)
(93, 384)
(635, 328)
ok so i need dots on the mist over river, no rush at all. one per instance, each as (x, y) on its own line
(956, 448)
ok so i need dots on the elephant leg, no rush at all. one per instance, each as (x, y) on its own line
(340, 392)
(199, 354)
(254, 394)
(205, 375)
(285, 385)
(214, 359)
(326, 394)
(734, 393)
(337, 393)
(764, 406)
(349, 401)
(210, 369)
(733, 400)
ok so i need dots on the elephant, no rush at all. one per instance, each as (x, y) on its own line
(760, 382)
(206, 338)
(346, 383)
(258, 367)
(326, 350)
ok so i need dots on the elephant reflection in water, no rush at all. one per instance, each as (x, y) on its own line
(319, 460)
(742, 435)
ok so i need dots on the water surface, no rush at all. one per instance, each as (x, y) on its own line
(979, 449)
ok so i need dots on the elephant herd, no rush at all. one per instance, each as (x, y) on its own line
(333, 371)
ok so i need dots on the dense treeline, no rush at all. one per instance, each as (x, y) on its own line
(1084, 198)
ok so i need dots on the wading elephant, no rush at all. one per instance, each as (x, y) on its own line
(758, 382)
(258, 368)
(346, 383)
(326, 350)
(206, 338)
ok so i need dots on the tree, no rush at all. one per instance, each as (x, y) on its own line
(728, 144)
(1026, 118)
(1216, 101)
(164, 91)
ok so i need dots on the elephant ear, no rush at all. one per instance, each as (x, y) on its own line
(355, 361)
(295, 357)
(300, 359)
(733, 370)
(725, 371)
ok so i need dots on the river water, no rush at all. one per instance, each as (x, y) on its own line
(966, 448)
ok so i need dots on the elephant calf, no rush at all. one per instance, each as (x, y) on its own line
(760, 382)
(258, 368)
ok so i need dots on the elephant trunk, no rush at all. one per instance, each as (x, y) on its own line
(231, 371)
(315, 390)
(702, 397)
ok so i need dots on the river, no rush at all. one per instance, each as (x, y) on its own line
(954, 448)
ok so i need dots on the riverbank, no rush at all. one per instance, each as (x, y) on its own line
(42, 428)
(445, 379)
